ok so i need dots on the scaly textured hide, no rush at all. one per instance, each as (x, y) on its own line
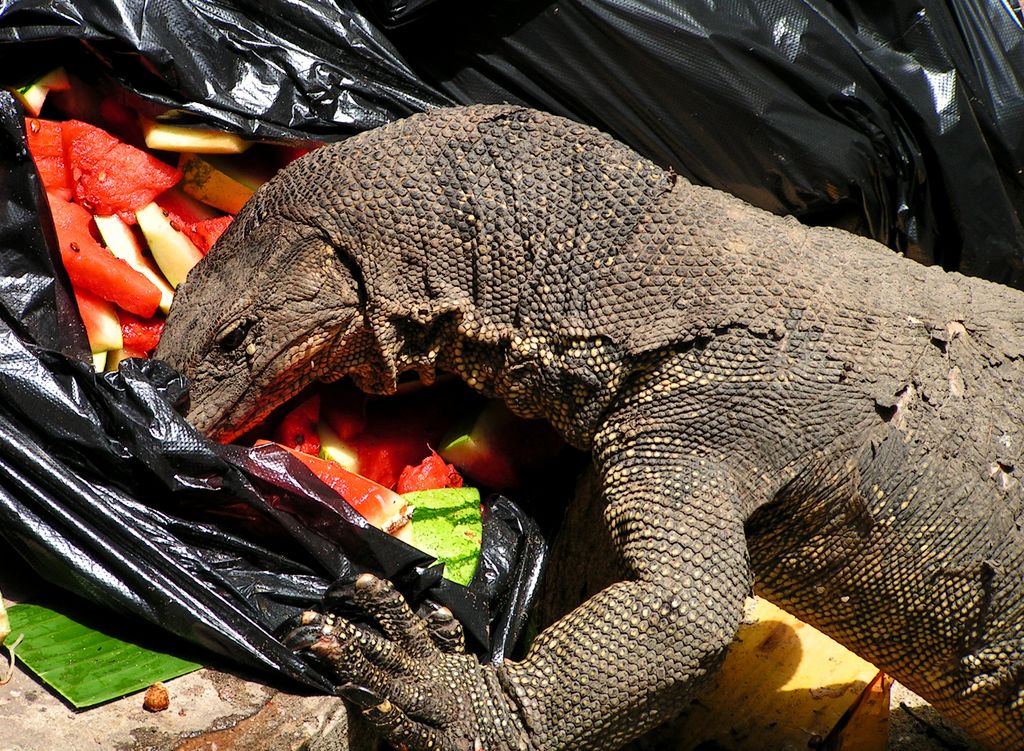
(760, 398)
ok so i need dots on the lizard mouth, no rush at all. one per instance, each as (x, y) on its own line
(263, 390)
(246, 412)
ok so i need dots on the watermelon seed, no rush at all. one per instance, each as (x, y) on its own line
(34, 126)
(75, 248)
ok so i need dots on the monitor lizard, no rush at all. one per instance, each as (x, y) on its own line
(765, 402)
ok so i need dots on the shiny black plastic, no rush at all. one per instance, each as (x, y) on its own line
(902, 120)
(266, 68)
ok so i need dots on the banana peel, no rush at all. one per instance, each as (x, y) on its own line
(783, 685)
(865, 727)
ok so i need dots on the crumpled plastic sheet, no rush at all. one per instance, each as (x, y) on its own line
(902, 120)
(272, 69)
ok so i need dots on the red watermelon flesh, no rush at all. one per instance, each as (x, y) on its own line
(205, 233)
(111, 177)
(297, 429)
(92, 267)
(185, 207)
(430, 474)
(382, 507)
(141, 334)
(391, 434)
(46, 145)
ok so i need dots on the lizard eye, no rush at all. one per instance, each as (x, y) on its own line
(233, 334)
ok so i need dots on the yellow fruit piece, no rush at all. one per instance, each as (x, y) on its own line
(194, 140)
(216, 182)
(782, 683)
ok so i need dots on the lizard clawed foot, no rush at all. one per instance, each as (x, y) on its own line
(413, 681)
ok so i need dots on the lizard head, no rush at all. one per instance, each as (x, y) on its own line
(354, 261)
(246, 341)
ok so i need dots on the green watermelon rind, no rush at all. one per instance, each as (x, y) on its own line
(446, 523)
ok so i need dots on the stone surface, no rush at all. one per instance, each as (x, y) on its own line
(209, 710)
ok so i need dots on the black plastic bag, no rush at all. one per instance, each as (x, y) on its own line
(315, 69)
(104, 488)
(900, 120)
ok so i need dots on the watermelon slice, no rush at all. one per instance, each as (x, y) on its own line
(381, 507)
(448, 525)
(34, 94)
(223, 183)
(109, 176)
(498, 449)
(117, 356)
(172, 250)
(140, 334)
(205, 233)
(196, 140)
(121, 241)
(101, 322)
(46, 145)
(335, 449)
(183, 206)
(94, 268)
(297, 429)
(387, 435)
(432, 473)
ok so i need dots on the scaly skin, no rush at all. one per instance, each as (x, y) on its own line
(846, 421)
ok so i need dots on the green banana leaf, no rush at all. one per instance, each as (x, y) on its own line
(85, 666)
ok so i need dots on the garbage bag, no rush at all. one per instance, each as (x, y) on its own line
(104, 488)
(902, 121)
(264, 68)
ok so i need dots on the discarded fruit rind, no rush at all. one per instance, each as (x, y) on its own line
(196, 140)
(120, 240)
(218, 183)
(335, 449)
(447, 524)
(92, 267)
(380, 506)
(102, 324)
(5, 622)
(498, 449)
(173, 252)
(33, 95)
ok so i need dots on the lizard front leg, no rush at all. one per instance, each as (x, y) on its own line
(619, 664)
(627, 659)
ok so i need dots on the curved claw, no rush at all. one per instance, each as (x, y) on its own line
(446, 631)
(311, 627)
(361, 696)
(388, 607)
